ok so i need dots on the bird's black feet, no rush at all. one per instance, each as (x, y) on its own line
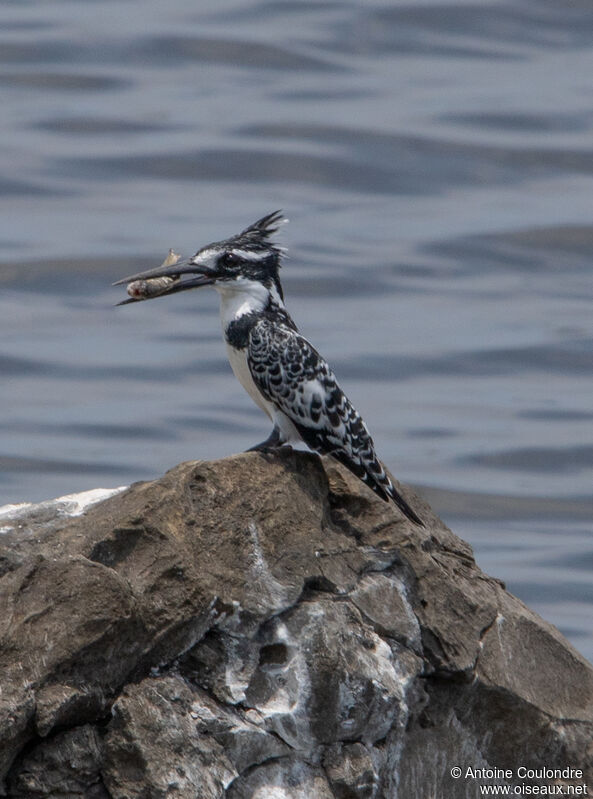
(273, 441)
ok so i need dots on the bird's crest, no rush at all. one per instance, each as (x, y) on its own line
(257, 236)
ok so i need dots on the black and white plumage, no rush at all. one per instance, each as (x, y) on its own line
(280, 370)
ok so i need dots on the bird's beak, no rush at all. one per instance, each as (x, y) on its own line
(202, 277)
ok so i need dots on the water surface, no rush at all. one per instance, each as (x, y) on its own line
(436, 162)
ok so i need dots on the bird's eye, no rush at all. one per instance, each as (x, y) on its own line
(229, 259)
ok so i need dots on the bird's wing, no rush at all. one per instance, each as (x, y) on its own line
(292, 375)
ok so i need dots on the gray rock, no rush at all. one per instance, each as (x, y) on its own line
(384, 601)
(154, 747)
(224, 664)
(66, 705)
(264, 626)
(351, 771)
(288, 778)
(325, 676)
(68, 764)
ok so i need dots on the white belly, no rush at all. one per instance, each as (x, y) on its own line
(289, 433)
(238, 362)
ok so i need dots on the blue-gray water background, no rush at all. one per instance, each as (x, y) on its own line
(436, 162)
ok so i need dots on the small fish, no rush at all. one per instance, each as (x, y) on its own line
(152, 287)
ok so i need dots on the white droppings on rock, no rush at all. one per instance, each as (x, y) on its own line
(76, 504)
(12, 510)
(383, 599)
(288, 778)
(272, 590)
(271, 792)
(68, 505)
(236, 682)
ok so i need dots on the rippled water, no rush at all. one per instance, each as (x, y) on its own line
(436, 162)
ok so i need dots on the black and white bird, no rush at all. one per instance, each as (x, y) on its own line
(280, 370)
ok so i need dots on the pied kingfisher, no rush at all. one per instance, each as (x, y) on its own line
(283, 374)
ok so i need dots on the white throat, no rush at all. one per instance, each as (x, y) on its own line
(243, 296)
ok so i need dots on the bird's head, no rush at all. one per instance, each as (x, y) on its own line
(233, 264)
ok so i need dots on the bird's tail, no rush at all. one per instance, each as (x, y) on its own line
(402, 504)
(371, 471)
(377, 479)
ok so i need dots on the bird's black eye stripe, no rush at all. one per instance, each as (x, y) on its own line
(229, 259)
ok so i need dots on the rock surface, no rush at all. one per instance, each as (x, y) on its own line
(264, 627)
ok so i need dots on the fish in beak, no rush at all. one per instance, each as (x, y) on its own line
(166, 279)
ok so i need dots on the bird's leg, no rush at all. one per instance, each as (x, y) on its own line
(273, 441)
